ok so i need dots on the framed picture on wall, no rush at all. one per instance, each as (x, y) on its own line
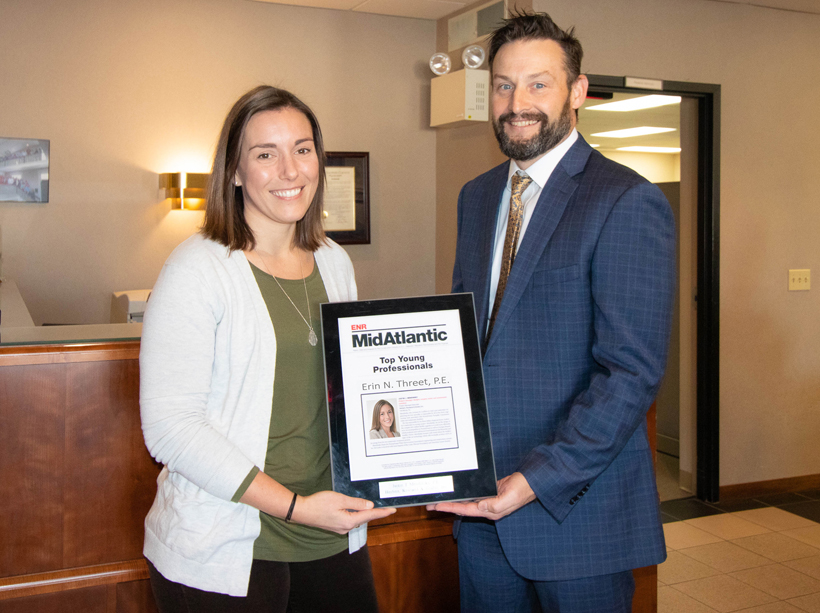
(347, 197)
(24, 164)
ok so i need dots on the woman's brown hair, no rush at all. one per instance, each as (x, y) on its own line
(225, 207)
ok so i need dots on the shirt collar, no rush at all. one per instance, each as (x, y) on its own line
(541, 170)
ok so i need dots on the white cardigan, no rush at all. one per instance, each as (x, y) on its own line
(207, 364)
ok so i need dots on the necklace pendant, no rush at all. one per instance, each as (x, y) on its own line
(312, 338)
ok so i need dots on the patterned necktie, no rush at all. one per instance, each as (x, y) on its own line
(519, 183)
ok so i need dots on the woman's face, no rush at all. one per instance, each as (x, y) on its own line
(278, 168)
(386, 417)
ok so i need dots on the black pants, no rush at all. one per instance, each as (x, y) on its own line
(337, 584)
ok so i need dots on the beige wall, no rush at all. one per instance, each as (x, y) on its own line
(657, 167)
(125, 90)
(769, 68)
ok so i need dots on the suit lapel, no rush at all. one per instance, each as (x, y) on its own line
(486, 217)
(545, 218)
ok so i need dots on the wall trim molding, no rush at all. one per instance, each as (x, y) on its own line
(740, 491)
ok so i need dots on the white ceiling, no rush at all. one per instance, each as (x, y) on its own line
(435, 9)
(800, 6)
(592, 122)
(419, 9)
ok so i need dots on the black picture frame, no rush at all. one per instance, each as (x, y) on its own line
(360, 160)
(468, 484)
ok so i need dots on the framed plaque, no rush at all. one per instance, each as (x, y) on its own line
(406, 406)
(346, 215)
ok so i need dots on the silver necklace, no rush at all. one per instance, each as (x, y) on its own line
(312, 339)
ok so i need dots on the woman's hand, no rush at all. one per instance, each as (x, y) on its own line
(335, 512)
(327, 510)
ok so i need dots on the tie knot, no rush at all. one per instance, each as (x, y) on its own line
(520, 182)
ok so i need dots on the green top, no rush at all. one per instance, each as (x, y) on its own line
(298, 454)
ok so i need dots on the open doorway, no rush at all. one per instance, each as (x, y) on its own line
(681, 156)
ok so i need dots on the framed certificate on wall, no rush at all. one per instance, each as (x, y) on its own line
(406, 405)
(346, 214)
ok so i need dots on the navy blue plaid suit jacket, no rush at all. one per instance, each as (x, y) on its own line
(575, 360)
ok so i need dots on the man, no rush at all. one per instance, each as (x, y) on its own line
(574, 311)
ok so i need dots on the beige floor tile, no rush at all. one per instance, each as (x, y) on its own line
(680, 535)
(809, 603)
(671, 600)
(679, 568)
(775, 519)
(777, 546)
(726, 557)
(810, 536)
(807, 566)
(724, 593)
(775, 607)
(779, 581)
(727, 526)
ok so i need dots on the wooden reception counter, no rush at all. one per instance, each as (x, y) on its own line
(77, 483)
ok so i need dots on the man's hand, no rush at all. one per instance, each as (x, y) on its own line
(513, 493)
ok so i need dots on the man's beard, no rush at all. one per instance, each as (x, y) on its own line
(550, 134)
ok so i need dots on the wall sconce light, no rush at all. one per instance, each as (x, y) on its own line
(185, 189)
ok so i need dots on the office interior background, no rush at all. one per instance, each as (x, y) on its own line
(125, 91)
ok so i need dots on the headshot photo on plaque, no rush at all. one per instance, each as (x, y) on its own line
(384, 421)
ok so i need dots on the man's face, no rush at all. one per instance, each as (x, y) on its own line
(533, 108)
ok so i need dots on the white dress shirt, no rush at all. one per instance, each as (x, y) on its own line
(540, 173)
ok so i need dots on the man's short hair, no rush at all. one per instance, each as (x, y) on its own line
(522, 25)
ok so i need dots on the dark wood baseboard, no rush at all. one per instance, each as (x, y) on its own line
(741, 491)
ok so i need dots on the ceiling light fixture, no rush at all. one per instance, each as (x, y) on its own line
(629, 132)
(636, 104)
(639, 149)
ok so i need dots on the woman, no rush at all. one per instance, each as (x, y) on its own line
(384, 421)
(232, 388)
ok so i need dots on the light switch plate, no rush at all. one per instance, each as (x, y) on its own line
(799, 279)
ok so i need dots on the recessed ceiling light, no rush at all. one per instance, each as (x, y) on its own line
(636, 104)
(651, 149)
(642, 131)
(594, 145)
